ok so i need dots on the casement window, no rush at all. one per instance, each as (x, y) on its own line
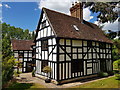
(102, 45)
(44, 63)
(43, 24)
(20, 54)
(44, 45)
(89, 43)
(77, 66)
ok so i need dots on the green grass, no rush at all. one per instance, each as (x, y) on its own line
(110, 82)
(25, 86)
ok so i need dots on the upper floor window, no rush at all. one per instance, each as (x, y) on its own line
(20, 54)
(43, 24)
(102, 45)
(89, 43)
(44, 45)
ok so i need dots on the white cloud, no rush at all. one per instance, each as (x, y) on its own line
(63, 6)
(96, 22)
(7, 6)
(86, 14)
(111, 26)
(0, 5)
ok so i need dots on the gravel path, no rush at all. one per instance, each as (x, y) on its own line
(27, 78)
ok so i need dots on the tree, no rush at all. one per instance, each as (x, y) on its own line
(107, 10)
(8, 61)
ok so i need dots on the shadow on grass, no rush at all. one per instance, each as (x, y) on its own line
(23, 86)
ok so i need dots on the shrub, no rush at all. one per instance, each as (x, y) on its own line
(102, 74)
(118, 76)
(116, 65)
(33, 73)
(16, 74)
(110, 72)
(116, 71)
(47, 69)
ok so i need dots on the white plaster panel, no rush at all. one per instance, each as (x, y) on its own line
(42, 34)
(15, 54)
(49, 42)
(55, 50)
(25, 54)
(30, 54)
(89, 65)
(61, 57)
(45, 32)
(46, 55)
(43, 55)
(79, 50)
(47, 23)
(66, 70)
(54, 41)
(68, 58)
(50, 57)
(54, 57)
(49, 31)
(80, 56)
(69, 70)
(74, 56)
(60, 71)
(68, 49)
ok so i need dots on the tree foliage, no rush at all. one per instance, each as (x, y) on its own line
(107, 10)
(8, 61)
(116, 49)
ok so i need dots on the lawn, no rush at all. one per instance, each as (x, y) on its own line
(25, 86)
(110, 82)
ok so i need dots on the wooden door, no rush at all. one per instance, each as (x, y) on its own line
(29, 66)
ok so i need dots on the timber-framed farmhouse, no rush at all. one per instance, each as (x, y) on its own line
(23, 54)
(71, 46)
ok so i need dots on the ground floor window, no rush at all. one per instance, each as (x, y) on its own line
(77, 66)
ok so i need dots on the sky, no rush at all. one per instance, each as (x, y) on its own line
(26, 14)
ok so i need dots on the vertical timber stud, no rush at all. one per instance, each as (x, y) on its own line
(111, 56)
(71, 56)
(83, 58)
(65, 60)
(57, 41)
(92, 57)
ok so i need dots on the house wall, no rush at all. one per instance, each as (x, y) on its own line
(62, 53)
(27, 57)
(71, 49)
(46, 33)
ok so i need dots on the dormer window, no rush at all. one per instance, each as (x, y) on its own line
(76, 28)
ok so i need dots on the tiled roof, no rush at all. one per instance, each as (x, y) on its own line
(22, 44)
(63, 27)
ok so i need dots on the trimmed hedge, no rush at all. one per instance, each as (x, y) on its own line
(102, 74)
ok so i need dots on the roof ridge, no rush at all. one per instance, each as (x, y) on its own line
(67, 15)
(60, 13)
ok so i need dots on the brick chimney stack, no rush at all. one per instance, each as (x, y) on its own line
(77, 10)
